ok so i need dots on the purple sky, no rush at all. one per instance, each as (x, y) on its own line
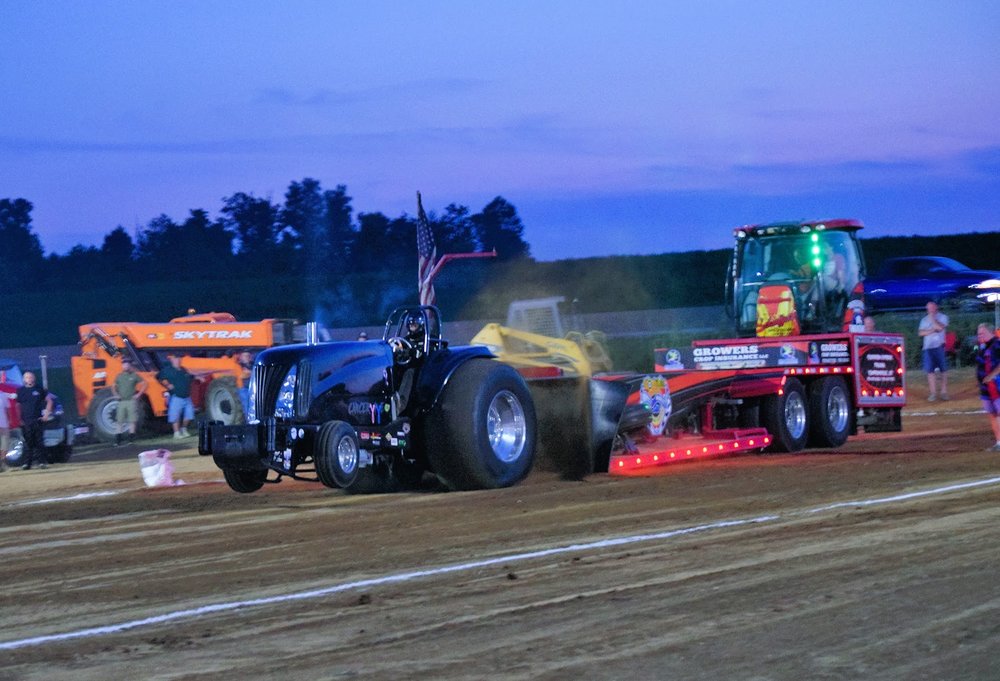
(613, 127)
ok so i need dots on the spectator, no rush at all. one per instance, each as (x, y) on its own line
(932, 329)
(245, 360)
(869, 324)
(987, 372)
(128, 388)
(5, 403)
(35, 406)
(180, 408)
(363, 335)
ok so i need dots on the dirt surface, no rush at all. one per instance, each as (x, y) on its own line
(749, 567)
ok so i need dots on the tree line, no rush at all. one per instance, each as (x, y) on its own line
(311, 257)
(313, 234)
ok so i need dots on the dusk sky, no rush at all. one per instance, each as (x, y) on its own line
(613, 127)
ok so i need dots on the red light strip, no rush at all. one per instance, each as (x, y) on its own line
(653, 455)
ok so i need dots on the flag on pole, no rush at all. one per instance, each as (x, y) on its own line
(426, 257)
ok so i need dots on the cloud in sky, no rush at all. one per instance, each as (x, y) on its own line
(610, 121)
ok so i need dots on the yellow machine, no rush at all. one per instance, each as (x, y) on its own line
(535, 355)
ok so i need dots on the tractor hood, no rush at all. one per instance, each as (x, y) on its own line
(287, 378)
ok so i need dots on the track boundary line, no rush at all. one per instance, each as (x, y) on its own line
(228, 606)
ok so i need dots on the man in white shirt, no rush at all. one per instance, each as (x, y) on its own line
(932, 329)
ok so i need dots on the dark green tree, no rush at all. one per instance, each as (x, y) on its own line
(196, 249)
(255, 224)
(341, 234)
(118, 247)
(302, 219)
(499, 227)
(21, 255)
(370, 245)
(454, 231)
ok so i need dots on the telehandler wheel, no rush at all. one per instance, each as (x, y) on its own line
(103, 415)
(829, 412)
(481, 434)
(337, 454)
(786, 417)
(222, 402)
(244, 481)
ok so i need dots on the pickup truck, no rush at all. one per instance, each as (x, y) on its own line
(908, 283)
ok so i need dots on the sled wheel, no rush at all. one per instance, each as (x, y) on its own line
(481, 434)
(786, 417)
(337, 454)
(829, 412)
(244, 481)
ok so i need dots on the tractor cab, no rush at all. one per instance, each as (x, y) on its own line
(791, 278)
(413, 332)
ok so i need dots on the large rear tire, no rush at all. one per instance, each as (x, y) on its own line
(829, 412)
(482, 432)
(222, 402)
(244, 481)
(786, 417)
(337, 455)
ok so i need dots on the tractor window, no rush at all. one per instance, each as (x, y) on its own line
(820, 268)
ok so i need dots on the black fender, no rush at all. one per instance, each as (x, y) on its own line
(439, 367)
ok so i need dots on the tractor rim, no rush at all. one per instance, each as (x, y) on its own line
(347, 455)
(506, 426)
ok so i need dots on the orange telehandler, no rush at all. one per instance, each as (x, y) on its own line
(208, 345)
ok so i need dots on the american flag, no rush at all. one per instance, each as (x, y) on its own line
(426, 256)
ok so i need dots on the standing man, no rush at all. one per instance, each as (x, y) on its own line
(987, 372)
(932, 329)
(128, 388)
(245, 360)
(180, 409)
(35, 406)
(6, 400)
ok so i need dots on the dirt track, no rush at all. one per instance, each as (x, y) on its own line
(791, 589)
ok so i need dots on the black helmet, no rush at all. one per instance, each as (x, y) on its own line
(415, 319)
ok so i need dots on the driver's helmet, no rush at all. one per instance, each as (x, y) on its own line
(415, 326)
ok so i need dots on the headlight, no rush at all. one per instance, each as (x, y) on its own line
(285, 406)
(990, 288)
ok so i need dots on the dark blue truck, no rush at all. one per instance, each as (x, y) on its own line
(908, 283)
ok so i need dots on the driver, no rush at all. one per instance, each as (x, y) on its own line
(415, 334)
